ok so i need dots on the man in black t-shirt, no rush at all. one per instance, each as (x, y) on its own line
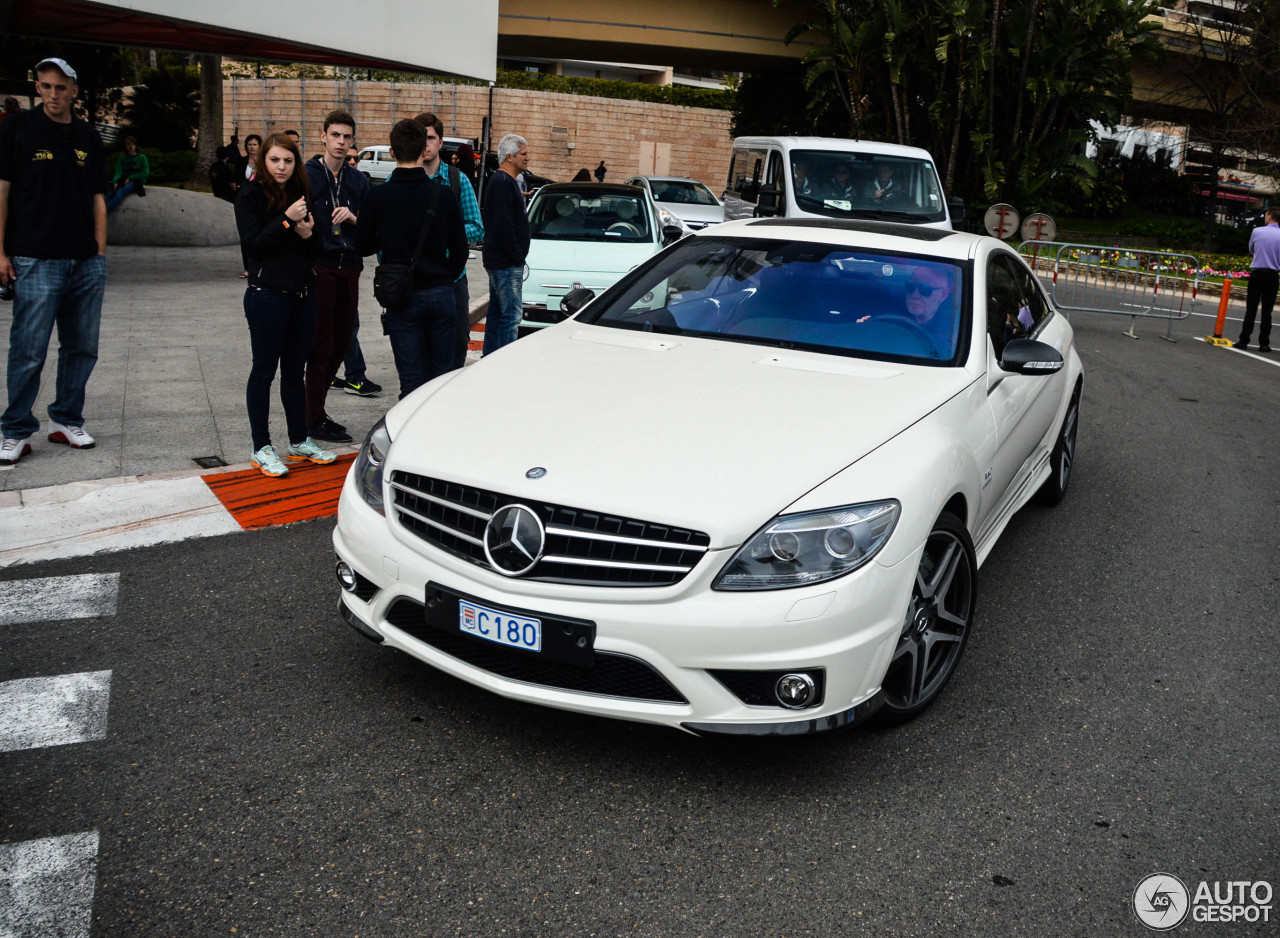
(53, 243)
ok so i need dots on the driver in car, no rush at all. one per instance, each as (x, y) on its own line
(883, 187)
(927, 291)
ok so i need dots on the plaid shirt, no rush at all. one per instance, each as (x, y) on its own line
(470, 207)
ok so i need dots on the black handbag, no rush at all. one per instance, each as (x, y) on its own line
(393, 283)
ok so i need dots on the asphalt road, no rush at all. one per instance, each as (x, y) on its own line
(266, 771)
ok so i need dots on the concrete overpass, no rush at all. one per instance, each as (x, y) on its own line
(730, 34)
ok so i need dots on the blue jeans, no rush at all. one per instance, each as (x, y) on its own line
(115, 198)
(506, 307)
(280, 330)
(421, 334)
(67, 292)
(462, 329)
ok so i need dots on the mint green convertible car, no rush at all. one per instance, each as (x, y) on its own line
(585, 235)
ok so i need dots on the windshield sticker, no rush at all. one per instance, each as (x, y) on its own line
(887, 270)
(841, 204)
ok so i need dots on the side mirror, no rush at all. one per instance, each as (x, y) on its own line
(955, 208)
(671, 234)
(575, 299)
(767, 203)
(1029, 357)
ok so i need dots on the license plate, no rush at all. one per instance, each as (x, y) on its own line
(500, 627)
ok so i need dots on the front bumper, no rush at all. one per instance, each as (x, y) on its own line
(660, 653)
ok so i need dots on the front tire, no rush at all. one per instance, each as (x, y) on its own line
(1063, 456)
(937, 623)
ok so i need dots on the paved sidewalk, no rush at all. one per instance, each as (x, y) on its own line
(173, 360)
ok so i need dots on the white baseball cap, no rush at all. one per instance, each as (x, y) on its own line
(60, 64)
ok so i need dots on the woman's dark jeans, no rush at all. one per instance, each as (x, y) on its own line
(280, 330)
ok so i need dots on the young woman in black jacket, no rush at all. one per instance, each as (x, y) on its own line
(273, 216)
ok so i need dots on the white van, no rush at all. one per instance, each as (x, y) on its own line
(829, 177)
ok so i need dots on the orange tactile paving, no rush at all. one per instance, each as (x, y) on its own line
(257, 501)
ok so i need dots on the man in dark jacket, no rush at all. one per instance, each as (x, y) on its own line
(506, 244)
(392, 221)
(339, 193)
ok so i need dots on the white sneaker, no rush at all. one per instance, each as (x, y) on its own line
(307, 450)
(268, 462)
(13, 449)
(75, 437)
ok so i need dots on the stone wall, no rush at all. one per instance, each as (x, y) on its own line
(565, 132)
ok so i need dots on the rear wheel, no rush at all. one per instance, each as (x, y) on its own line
(937, 622)
(1063, 456)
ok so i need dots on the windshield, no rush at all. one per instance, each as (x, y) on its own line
(590, 216)
(688, 193)
(863, 185)
(790, 294)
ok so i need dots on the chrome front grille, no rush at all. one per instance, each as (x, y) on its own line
(582, 547)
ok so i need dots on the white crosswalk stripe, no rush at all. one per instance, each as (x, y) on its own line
(46, 886)
(58, 597)
(54, 711)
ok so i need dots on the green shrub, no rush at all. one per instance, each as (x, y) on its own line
(681, 95)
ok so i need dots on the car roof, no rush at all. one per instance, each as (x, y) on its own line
(838, 144)
(855, 233)
(670, 179)
(600, 188)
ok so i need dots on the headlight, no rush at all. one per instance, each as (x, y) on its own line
(369, 466)
(525, 276)
(797, 550)
(669, 219)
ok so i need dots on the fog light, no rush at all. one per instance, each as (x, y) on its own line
(346, 576)
(795, 691)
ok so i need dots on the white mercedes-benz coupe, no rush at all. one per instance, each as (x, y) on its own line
(745, 490)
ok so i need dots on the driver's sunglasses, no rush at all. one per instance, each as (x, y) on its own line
(924, 289)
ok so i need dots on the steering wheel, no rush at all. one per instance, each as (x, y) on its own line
(912, 328)
(895, 195)
(624, 227)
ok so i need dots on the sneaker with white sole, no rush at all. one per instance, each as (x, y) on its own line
(75, 437)
(268, 462)
(12, 449)
(307, 450)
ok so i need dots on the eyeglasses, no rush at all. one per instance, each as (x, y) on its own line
(924, 289)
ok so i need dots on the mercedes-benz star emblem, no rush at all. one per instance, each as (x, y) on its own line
(537, 472)
(514, 540)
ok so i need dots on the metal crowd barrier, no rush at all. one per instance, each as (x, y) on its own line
(1120, 281)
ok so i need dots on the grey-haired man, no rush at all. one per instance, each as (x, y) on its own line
(506, 243)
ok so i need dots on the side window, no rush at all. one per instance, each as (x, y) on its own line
(745, 172)
(366, 155)
(1032, 304)
(1002, 304)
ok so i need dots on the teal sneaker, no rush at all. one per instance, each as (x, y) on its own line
(308, 450)
(268, 462)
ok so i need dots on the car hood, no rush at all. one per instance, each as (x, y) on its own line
(711, 214)
(703, 434)
(587, 256)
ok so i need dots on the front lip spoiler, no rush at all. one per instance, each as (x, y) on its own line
(858, 714)
(357, 623)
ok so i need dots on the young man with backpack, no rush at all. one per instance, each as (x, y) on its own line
(442, 172)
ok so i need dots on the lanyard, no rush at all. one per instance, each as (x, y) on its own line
(335, 186)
